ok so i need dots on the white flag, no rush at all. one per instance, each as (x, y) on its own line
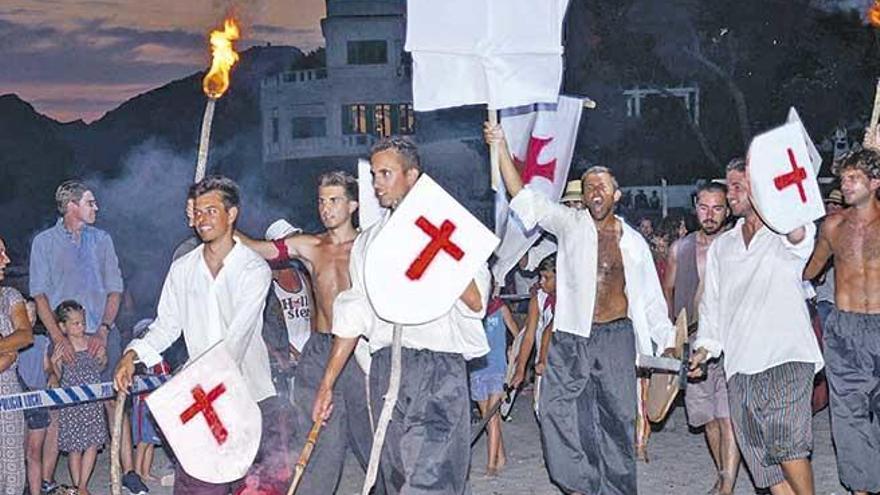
(369, 210)
(542, 143)
(504, 53)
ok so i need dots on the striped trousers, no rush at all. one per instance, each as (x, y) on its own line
(772, 418)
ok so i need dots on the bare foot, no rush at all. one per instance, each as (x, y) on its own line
(500, 461)
(715, 490)
(491, 472)
(642, 453)
(149, 477)
(726, 484)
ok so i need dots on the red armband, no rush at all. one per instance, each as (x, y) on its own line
(283, 254)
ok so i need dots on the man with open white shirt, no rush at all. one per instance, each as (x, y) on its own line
(427, 444)
(753, 311)
(214, 293)
(609, 305)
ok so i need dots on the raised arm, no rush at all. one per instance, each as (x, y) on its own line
(494, 135)
(295, 246)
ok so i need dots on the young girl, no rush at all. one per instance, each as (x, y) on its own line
(81, 427)
(487, 378)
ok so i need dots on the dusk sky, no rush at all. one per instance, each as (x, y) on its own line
(77, 59)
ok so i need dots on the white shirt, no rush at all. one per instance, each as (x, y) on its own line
(753, 307)
(577, 266)
(459, 331)
(207, 310)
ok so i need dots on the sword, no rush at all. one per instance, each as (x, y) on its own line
(492, 411)
(670, 365)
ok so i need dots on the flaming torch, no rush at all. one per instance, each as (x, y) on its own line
(215, 83)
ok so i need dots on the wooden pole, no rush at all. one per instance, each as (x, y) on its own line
(494, 170)
(875, 113)
(116, 445)
(387, 410)
(304, 456)
(205, 139)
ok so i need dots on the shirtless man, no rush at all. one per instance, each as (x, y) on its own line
(604, 273)
(326, 255)
(706, 400)
(852, 330)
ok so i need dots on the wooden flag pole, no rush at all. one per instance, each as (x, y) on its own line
(875, 114)
(494, 170)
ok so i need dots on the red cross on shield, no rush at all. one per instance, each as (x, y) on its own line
(209, 418)
(420, 261)
(782, 177)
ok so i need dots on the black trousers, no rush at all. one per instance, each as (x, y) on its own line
(588, 410)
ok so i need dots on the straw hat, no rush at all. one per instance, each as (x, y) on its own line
(573, 191)
(834, 197)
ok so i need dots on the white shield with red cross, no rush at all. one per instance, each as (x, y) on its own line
(785, 191)
(209, 418)
(425, 256)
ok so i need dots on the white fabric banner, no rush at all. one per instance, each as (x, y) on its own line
(542, 143)
(369, 210)
(504, 53)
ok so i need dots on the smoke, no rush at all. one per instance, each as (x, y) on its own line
(143, 210)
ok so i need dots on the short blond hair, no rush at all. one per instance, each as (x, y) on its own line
(69, 190)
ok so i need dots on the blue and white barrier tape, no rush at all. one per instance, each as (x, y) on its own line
(63, 396)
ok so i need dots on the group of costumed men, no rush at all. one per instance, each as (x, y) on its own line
(745, 284)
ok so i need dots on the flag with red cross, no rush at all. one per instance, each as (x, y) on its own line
(782, 175)
(425, 256)
(209, 418)
(541, 139)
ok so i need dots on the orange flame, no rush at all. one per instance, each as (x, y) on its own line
(223, 55)
(874, 14)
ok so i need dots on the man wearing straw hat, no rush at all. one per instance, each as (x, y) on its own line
(573, 197)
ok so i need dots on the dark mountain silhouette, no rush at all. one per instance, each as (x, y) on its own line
(37, 152)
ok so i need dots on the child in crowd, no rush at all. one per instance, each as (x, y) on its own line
(487, 377)
(32, 371)
(143, 431)
(539, 325)
(82, 428)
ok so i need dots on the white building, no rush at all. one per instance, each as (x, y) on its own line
(363, 93)
(321, 117)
